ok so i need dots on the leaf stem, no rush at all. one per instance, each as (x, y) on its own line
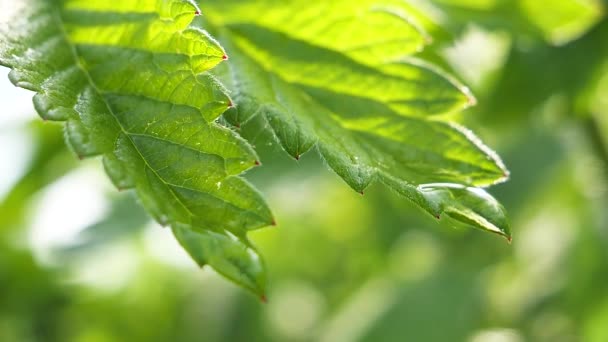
(598, 142)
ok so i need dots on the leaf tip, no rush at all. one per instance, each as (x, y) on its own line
(471, 99)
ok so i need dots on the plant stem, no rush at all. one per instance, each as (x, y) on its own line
(597, 140)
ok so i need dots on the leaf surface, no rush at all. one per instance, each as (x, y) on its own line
(340, 78)
(131, 81)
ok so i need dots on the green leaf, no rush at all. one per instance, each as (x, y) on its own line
(125, 218)
(555, 21)
(131, 81)
(350, 29)
(371, 112)
(232, 257)
(50, 161)
(562, 21)
(469, 205)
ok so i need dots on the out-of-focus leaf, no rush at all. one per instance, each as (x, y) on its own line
(562, 20)
(124, 219)
(50, 160)
(536, 74)
(554, 21)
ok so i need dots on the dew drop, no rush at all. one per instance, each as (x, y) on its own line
(163, 220)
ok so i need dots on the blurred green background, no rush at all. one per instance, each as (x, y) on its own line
(80, 262)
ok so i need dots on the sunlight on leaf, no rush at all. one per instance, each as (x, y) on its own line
(133, 82)
(371, 121)
(121, 76)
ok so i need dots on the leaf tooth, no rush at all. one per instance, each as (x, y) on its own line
(117, 172)
(79, 140)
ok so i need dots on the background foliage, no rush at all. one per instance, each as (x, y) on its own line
(343, 267)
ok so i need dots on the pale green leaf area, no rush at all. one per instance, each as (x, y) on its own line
(372, 119)
(555, 21)
(129, 79)
(562, 21)
(339, 25)
(132, 82)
